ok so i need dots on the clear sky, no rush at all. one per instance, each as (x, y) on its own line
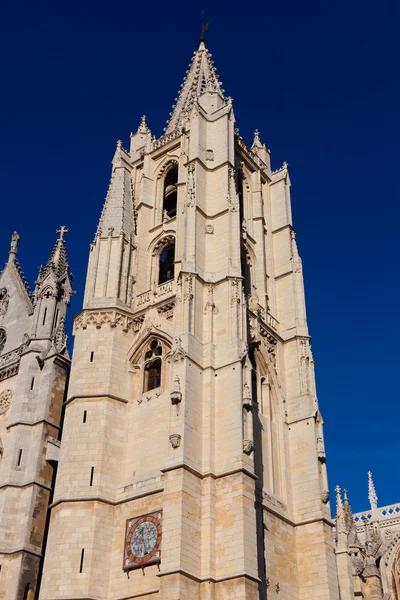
(320, 81)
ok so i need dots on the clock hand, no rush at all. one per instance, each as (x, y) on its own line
(144, 542)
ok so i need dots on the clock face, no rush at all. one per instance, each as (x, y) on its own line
(143, 541)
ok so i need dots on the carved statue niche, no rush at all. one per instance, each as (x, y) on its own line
(176, 394)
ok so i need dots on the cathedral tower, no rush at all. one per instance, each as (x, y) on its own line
(34, 365)
(192, 465)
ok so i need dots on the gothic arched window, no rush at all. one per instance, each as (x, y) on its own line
(166, 264)
(3, 339)
(152, 366)
(170, 193)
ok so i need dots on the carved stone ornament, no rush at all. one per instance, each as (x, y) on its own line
(113, 318)
(5, 401)
(4, 300)
(325, 496)
(175, 440)
(248, 447)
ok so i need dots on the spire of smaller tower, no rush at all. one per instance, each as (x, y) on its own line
(117, 215)
(58, 259)
(372, 497)
(13, 247)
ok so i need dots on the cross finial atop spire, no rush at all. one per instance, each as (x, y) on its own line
(372, 497)
(62, 231)
(204, 26)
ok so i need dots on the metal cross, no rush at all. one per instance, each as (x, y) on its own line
(204, 26)
(62, 231)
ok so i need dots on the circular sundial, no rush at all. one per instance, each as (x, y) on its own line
(143, 541)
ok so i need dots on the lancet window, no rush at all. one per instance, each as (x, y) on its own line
(170, 193)
(246, 271)
(268, 429)
(153, 366)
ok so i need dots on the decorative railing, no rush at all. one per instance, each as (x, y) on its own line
(164, 289)
(164, 139)
(11, 357)
(9, 363)
(143, 298)
(383, 513)
(272, 322)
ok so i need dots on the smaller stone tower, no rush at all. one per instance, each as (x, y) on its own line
(34, 365)
(368, 549)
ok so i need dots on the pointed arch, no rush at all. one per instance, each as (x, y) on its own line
(162, 257)
(137, 348)
(148, 363)
(166, 176)
(391, 560)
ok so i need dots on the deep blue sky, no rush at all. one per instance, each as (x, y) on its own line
(321, 82)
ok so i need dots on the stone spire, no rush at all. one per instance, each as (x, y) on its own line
(201, 77)
(349, 520)
(341, 529)
(372, 497)
(53, 292)
(15, 265)
(118, 214)
(143, 127)
(58, 259)
(348, 515)
(12, 255)
(256, 142)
